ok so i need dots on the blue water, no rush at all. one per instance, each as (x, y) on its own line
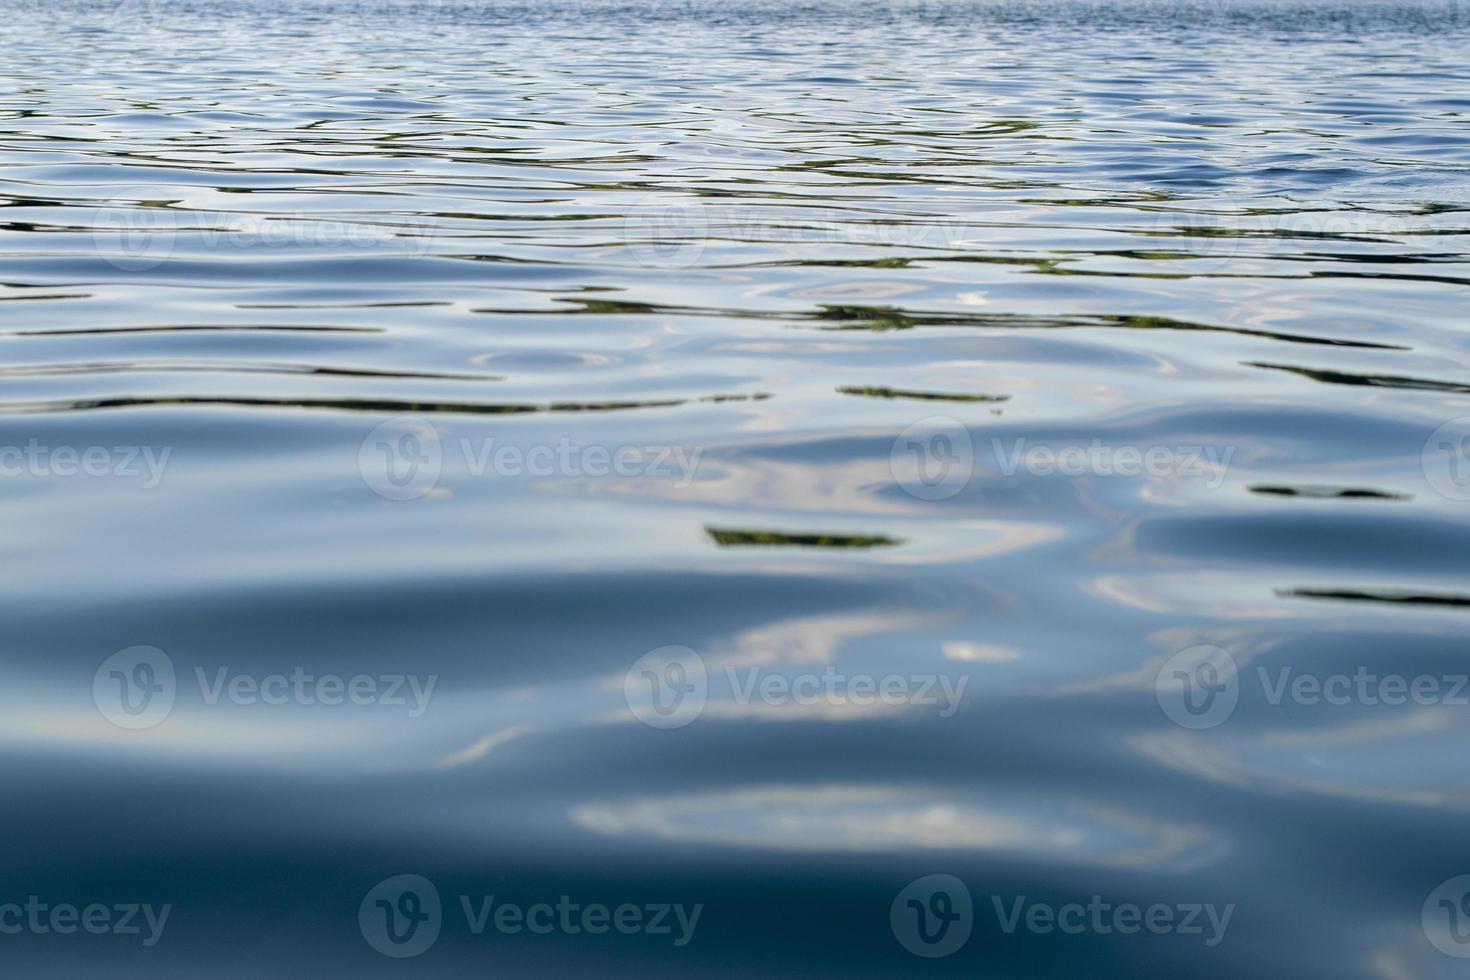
(737, 459)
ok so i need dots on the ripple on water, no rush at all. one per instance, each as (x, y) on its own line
(1009, 349)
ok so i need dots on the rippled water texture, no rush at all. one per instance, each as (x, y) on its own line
(992, 407)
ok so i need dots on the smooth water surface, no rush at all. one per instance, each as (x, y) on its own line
(998, 408)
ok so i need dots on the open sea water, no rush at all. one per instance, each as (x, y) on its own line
(872, 489)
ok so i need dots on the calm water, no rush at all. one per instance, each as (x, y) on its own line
(740, 461)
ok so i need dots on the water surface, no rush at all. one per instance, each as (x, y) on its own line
(1016, 351)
